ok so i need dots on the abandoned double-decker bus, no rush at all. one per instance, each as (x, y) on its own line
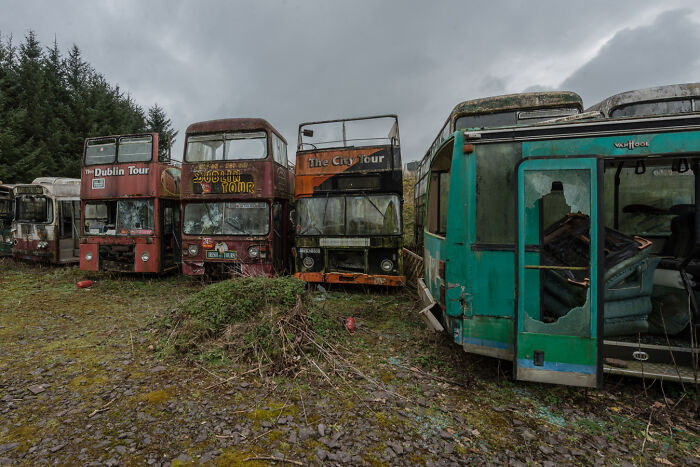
(236, 199)
(46, 220)
(6, 215)
(659, 100)
(130, 194)
(349, 198)
(571, 249)
(507, 110)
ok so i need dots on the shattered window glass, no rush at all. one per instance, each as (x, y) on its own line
(321, 216)
(232, 218)
(557, 219)
(135, 217)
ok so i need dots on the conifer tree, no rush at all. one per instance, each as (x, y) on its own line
(157, 121)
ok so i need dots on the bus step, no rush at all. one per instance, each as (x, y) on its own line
(431, 305)
(663, 371)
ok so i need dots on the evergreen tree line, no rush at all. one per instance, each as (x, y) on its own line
(49, 104)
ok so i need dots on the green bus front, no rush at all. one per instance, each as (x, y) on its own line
(569, 249)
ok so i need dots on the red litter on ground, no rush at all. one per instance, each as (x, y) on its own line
(84, 284)
(350, 324)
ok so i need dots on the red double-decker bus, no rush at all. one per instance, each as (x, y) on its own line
(130, 199)
(236, 199)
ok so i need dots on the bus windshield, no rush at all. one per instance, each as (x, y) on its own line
(123, 217)
(34, 209)
(222, 218)
(227, 146)
(5, 209)
(349, 215)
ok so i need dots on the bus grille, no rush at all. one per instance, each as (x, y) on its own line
(117, 257)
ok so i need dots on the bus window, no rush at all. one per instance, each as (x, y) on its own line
(135, 149)
(495, 193)
(279, 150)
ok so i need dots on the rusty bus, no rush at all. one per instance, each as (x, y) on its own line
(236, 199)
(349, 197)
(659, 100)
(6, 215)
(130, 196)
(489, 112)
(46, 219)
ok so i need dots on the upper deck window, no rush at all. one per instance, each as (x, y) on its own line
(135, 149)
(511, 118)
(227, 147)
(640, 109)
(279, 150)
(103, 151)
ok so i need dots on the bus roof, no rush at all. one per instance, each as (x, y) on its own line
(233, 124)
(657, 93)
(57, 186)
(543, 99)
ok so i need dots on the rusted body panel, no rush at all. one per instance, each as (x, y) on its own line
(52, 238)
(244, 182)
(158, 182)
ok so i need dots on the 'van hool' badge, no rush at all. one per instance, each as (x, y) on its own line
(221, 251)
(632, 145)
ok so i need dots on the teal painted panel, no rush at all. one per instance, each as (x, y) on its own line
(459, 230)
(493, 283)
(622, 145)
(486, 331)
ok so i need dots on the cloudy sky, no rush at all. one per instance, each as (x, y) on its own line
(290, 62)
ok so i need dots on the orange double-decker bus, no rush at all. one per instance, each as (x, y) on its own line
(349, 198)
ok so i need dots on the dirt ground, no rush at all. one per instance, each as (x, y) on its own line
(82, 381)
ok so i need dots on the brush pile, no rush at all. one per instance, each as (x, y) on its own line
(264, 323)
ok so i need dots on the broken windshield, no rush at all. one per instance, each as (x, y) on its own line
(124, 217)
(34, 209)
(227, 146)
(349, 215)
(234, 218)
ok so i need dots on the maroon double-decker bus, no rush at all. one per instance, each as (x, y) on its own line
(130, 197)
(236, 199)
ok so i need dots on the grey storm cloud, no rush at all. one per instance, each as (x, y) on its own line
(291, 62)
(664, 52)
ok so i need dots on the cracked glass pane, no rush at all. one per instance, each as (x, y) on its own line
(557, 209)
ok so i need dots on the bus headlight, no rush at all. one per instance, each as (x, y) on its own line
(145, 256)
(308, 262)
(192, 250)
(88, 256)
(253, 251)
(386, 265)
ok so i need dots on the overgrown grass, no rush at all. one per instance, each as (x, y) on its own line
(268, 322)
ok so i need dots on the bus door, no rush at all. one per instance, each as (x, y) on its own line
(557, 322)
(170, 228)
(69, 230)
(278, 233)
